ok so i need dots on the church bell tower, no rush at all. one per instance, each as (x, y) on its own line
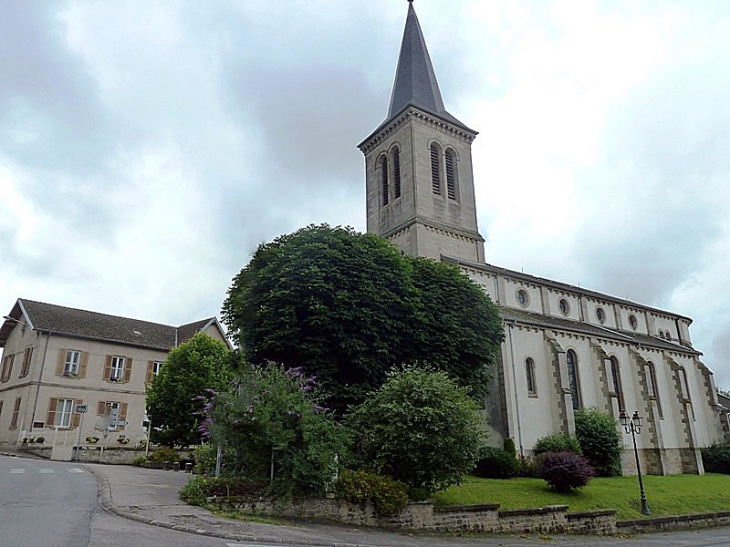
(418, 166)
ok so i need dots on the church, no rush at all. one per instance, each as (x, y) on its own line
(565, 347)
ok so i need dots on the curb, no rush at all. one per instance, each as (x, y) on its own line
(106, 502)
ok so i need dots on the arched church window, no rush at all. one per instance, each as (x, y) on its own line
(450, 173)
(651, 385)
(384, 180)
(530, 375)
(572, 360)
(684, 386)
(616, 383)
(396, 172)
(436, 168)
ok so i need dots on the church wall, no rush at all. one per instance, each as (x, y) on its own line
(552, 304)
(511, 296)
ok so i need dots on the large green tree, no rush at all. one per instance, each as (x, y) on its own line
(347, 307)
(175, 398)
(420, 428)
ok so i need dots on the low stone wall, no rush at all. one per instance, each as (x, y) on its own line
(424, 516)
(87, 454)
(674, 524)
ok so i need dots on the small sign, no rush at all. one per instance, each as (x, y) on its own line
(120, 422)
(81, 409)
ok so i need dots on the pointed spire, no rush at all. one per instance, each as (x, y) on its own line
(415, 80)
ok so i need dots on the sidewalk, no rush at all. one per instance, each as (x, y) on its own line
(151, 496)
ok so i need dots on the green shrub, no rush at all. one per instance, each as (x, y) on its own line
(197, 490)
(716, 458)
(496, 463)
(509, 447)
(565, 471)
(530, 467)
(388, 496)
(600, 441)
(139, 461)
(557, 442)
(164, 454)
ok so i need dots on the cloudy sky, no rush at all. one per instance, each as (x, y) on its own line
(147, 148)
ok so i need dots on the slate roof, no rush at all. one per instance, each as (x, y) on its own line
(415, 80)
(98, 326)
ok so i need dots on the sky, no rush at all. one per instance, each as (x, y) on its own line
(148, 148)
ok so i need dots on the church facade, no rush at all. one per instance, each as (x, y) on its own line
(565, 347)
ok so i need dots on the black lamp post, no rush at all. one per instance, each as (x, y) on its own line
(633, 426)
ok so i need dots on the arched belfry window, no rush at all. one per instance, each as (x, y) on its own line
(450, 173)
(396, 172)
(572, 361)
(384, 179)
(436, 168)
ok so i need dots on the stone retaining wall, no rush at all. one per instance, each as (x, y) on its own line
(424, 516)
(675, 523)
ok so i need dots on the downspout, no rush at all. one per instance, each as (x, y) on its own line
(514, 383)
(40, 379)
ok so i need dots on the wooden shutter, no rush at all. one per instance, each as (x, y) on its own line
(83, 364)
(150, 372)
(16, 412)
(122, 414)
(76, 418)
(107, 367)
(51, 418)
(61, 362)
(127, 369)
(101, 408)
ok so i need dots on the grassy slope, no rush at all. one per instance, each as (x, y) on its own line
(674, 495)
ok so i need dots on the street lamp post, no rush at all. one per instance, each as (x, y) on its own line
(633, 426)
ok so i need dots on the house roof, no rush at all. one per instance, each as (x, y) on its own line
(78, 323)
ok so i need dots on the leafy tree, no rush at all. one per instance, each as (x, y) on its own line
(347, 307)
(600, 441)
(174, 398)
(420, 428)
(271, 418)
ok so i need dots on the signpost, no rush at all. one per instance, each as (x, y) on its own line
(80, 409)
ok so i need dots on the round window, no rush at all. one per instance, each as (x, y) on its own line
(564, 306)
(600, 315)
(522, 298)
(633, 322)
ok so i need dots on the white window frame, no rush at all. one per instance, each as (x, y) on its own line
(156, 367)
(64, 413)
(72, 363)
(117, 368)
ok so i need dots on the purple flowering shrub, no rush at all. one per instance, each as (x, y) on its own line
(565, 471)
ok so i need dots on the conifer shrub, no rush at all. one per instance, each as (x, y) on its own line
(716, 458)
(600, 441)
(565, 471)
(509, 446)
(556, 442)
(496, 463)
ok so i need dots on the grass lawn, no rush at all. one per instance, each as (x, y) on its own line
(674, 495)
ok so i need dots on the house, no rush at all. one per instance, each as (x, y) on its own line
(57, 361)
(566, 347)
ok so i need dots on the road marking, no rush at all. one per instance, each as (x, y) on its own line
(46, 470)
(18, 470)
(75, 470)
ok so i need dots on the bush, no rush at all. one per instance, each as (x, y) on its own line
(600, 441)
(557, 442)
(388, 496)
(164, 454)
(496, 463)
(199, 489)
(716, 458)
(139, 461)
(509, 447)
(565, 471)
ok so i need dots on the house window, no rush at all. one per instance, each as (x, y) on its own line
(600, 315)
(522, 298)
(396, 172)
(384, 178)
(117, 369)
(564, 306)
(616, 383)
(64, 411)
(450, 174)
(530, 374)
(16, 414)
(572, 361)
(116, 411)
(153, 369)
(651, 385)
(71, 365)
(27, 357)
(7, 369)
(436, 169)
